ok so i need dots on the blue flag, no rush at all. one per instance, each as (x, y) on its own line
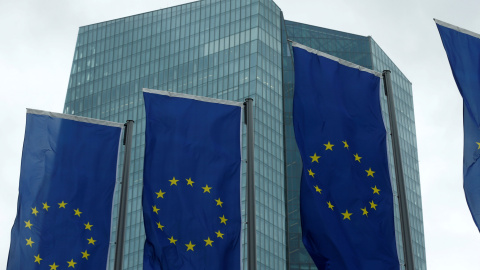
(67, 180)
(346, 200)
(191, 194)
(463, 52)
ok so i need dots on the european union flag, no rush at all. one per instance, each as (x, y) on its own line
(346, 199)
(191, 194)
(67, 180)
(463, 52)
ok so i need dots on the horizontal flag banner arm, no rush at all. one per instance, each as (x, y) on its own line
(75, 118)
(199, 98)
(456, 28)
(336, 59)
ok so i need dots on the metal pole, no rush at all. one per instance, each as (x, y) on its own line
(127, 141)
(251, 231)
(397, 160)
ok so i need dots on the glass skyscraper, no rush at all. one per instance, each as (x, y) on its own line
(228, 49)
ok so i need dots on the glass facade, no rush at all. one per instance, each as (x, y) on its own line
(363, 51)
(226, 49)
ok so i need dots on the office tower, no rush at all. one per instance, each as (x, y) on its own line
(226, 49)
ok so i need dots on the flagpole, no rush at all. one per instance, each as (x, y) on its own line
(397, 158)
(127, 141)
(251, 231)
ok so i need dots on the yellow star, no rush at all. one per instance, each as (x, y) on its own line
(29, 242)
(155, 209)
(62, 204)
(37, 258)
(28, 224)
(208, 242)
(219, 234)
(365, 212)
(346, 215)
(315, 157)
(345, 144)
(330, 205)
(173, 241)
(223, 220)
(53, 266)
(189, 182)
(88, 226)
(357, 158)
(173, 182)
(317, 189)
(190, 246)
(160, 194)
(329, 146)
(85, 254)
(370, 172)
(312, 174)
(219, 202)
(91, 241)
(160, 226)
(77, 212)
(478, 145)
(45, 206)
(71, 264)
(34, 211)
(376, 190)
(206, 189)
(373, 205)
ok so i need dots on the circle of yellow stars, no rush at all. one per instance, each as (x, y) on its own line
(30, 243)
(206, 189)
(369, 173)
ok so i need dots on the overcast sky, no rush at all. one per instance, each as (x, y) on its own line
(36, 51)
